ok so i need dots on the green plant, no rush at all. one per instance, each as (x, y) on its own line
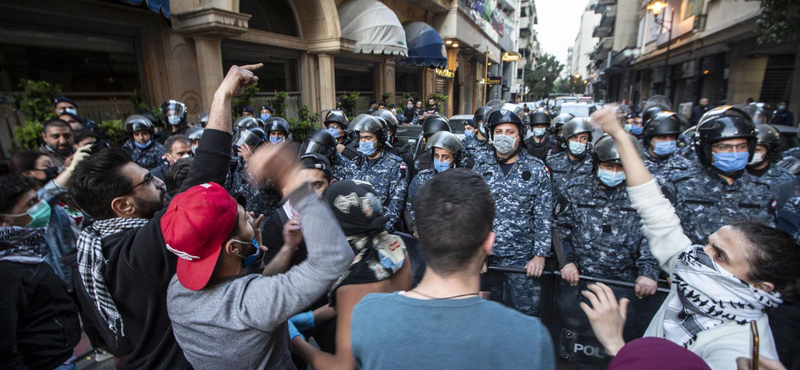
(779, 21)
(407, 96)
(115, 131)
(303, 127)
(543, 78)
(385, 97)
(348, 102)
(278, 103)
(27, 136)
(37, 99)
(244, 100)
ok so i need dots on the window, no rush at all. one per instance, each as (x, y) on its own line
(690, 8)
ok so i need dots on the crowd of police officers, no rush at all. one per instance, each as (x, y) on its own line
(559, 189)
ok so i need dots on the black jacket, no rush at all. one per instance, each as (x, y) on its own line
(542, 149)
(164, 134)
(138, 272)
(39, 324)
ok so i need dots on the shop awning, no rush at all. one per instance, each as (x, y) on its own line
(158, 6)
(373, 26)
(425, 46)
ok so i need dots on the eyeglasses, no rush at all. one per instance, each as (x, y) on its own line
(728, 147)
(147, 179)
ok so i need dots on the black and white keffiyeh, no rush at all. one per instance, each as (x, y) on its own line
(22, 244)
(92, 265)
(709, 296)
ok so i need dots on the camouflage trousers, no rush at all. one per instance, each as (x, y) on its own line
(513, 290)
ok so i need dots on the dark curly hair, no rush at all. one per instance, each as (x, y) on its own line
(775, 256)
(11, 189)
(176, 175)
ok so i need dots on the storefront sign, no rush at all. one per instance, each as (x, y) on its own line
(493, 80)
(511, 56)
(446, 73)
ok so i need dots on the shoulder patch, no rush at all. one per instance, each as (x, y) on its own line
(526, 175)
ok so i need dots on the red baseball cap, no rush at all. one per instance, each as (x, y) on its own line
(194, 226)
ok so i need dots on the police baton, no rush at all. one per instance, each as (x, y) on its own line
(623, 284)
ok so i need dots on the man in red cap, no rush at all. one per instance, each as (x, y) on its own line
(223, 318)
(123, 263)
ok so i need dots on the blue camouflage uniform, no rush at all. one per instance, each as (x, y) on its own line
(776, 176)
(664, 168)
(260, 199)
(384, 173)
(685, 148)
(603, 231)
(524, 204)
(420, 179)
(148, 158)
(705, 202)
(563, 169)
(789, 218)
(340, 166)
(472, 144)
(791, 152)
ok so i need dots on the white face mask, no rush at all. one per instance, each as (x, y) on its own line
(757, 158)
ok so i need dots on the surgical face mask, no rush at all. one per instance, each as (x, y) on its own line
(730, 162)
(781, 107)
(174, 120)
(71, 111)
(628, 127)
(276, 140)
(610, 178)
(577, 148)
(665, 148)
(469, 133)
(409, 107)
(757, 158)
(39, 214)
(504, 144)
(194, 149)
(440, 166)
(143, 146)
(366, 148)
(334, 132)
(636, 130)
(248, 260)
(539, 131)
(265, 117)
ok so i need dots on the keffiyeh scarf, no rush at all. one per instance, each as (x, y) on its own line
(377, 258)
(92, 265)
(708, 296)
(22, 244)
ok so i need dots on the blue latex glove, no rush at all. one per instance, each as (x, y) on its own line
(303, 321)
(293, 332)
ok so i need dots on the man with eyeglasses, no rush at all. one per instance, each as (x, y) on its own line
(123, 264)
(721, 191)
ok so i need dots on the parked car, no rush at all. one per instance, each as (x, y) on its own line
(407, 136)
(578, 109)
(789, 137)
(457, 123)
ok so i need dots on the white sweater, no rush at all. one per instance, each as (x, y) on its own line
(718, 346)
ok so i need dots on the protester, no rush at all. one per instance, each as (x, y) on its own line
(176, 175)
(442, 323)
(124, 264)
(58, 139)
(176, 147)
(716, 290)
(38, 320)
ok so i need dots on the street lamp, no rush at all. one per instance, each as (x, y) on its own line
(656, 7)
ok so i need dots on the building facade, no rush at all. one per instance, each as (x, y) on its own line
(585, 43)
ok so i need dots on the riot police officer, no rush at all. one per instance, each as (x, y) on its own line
(447, 151)
(556, 128)
(202, 119)
(173, 113)
(430, 126)
(721, 191)
(385, 171)
(390, 121)
(277, 130)
(660, 139)
(576, 160)
(145, 151)
(195, 134)
(540, 143)
(634, 124)
(524, 203)
(321, 141)
(476, 142)
(767, 147)
(336, 122)
(260, 198)
(601, 231)
(247, 122)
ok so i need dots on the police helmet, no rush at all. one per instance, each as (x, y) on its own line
(277, 124)
(202, 119)
(723, 127)
(253, 137)
(369, 123)
(338, 117)
(575, 126)
(481, 114)
(195, 133)
(177, 107)
(652, 112)
(390, 120)
(138, 122)
(540, 117)
(447, 141)
(506, 113)
(320, 141)
(316, 161)
(245, 122)
(605, 150)
(558, 122)
(434, 124)
(725, 110)
(664, 123)
(769, 137)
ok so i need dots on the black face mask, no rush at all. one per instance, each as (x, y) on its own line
(50, 173)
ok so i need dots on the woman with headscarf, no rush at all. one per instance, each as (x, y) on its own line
(381, 265)
(717, 290)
